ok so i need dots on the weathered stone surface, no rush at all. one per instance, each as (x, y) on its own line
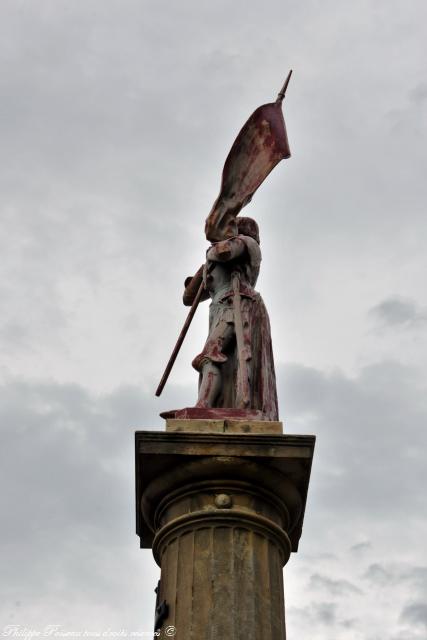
(213, 413)
(224, 426)
(196, 426)
(253, 426)
(222, 513)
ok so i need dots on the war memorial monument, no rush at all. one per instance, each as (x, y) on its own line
(221, 493)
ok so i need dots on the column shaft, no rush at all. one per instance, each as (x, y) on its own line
(223, 582)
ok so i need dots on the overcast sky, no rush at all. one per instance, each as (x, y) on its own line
(115, 121)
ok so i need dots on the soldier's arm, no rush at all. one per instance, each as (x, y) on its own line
(226, 250)
(192, 285)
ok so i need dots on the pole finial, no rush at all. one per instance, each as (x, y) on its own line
(282, 91)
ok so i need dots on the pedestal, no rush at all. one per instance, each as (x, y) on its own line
(222, 507)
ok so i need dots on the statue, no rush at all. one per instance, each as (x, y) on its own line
(236, 366)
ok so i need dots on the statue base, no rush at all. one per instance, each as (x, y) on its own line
(212, 413)
(222, 506)
(223, 425)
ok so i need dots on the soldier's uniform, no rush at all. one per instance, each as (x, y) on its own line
(220, 347)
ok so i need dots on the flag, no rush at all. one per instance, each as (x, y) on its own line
(260, 145)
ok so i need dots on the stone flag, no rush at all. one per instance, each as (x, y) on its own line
(260, 145)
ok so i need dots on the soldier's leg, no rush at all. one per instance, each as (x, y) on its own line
(209, 363)
(210, 384)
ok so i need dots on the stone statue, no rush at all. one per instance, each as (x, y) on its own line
(236, 367)
(236, 364)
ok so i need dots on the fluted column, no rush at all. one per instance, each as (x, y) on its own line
(221, 528)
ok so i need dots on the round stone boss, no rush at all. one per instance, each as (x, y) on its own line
(223, 501)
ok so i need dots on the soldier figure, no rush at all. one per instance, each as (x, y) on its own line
(236, 364)
(236, 368)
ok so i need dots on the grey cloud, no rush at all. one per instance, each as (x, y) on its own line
(69, 511)
(386, 574)
(378, 574)
(325, 613)
(398, 312)
(315, 613)
(14, 335)
(417, 576)
(415, 613)
(360, 547)
(369, 427)
(419, 93)
(405, 635)
(349, 623)
(334, 587)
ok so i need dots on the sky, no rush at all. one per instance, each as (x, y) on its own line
(115, 121)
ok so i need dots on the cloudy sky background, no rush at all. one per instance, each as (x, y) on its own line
(115, 120)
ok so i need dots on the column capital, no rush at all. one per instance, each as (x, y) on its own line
(177, 466)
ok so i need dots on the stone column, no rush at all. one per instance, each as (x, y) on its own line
(222, 513)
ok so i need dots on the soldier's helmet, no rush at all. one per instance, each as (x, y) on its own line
(247, 227)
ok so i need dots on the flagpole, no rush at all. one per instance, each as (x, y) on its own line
(181, 337)
(282, 91)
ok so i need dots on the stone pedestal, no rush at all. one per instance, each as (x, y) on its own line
(222, 507)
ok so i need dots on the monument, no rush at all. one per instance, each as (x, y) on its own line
(221, 493)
